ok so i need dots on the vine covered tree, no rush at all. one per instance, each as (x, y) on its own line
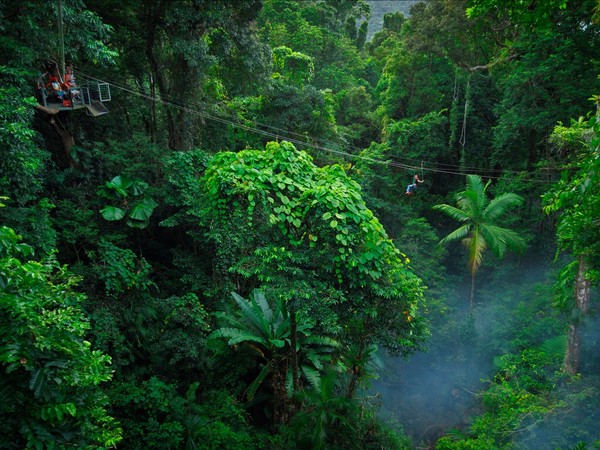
(576, 198)
(272, 212)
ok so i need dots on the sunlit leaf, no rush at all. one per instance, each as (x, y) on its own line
(112, 213)
(143, 209)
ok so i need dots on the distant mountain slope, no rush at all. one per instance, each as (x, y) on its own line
(381, 7)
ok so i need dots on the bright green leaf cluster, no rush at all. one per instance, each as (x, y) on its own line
(50, 373)
(133, 201)
(318, 215)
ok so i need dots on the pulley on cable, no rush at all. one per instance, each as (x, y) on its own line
(58, 91)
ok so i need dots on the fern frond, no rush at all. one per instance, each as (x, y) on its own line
(313, 376)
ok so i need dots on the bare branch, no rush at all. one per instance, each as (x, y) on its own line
(492, 63)
(47, 110)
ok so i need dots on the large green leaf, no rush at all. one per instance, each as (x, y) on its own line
(119, 185)
(112, 213)
(237, 336)
(38, 376)
(279, 343)
(138, 187)
(258, 381)
(120, 182)
(140, 224)
(253, 316)
(143, 209)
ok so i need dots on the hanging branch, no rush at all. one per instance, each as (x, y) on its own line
(491, 64)
(51, 111)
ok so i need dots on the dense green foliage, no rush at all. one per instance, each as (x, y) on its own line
(228, 260)
(49, 372)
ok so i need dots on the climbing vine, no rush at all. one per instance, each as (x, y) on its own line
(318, 213)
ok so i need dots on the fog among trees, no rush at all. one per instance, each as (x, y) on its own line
(282, 224)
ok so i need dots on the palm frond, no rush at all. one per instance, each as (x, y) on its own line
(493, 239)
(453, 212)
(476, 191)
(251, 324)
(235, 336)
(499, 205)
(268, 319)
(502, 238)
(476, 245)
(261, 301)
(224, 319)
(456, 235)
(469, 202)
(281, 329)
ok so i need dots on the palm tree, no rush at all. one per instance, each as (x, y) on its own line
(267, 330)
(478, 232)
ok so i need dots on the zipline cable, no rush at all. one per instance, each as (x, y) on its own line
(182, 106)
(283, 132)
(61, 37)
(287, 133)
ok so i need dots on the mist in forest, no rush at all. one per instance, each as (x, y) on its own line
(431, 393)
(578, 421)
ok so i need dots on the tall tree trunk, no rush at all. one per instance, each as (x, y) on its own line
(68, 142)
(357, 369)
(293, 357)
(67, 139)
(153, 110)
(472, 292)
(280, 400)
(572, 360)
(184, 120)
(293, 346)
(177, 81)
